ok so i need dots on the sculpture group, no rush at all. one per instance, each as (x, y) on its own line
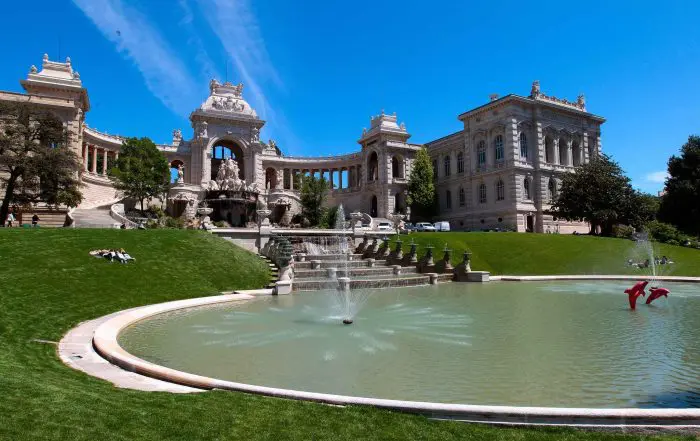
(227, 178)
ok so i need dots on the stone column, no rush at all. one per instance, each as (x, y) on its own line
(104, 162)
(569, 153)
(555, 146)
(93, 167)
(86, 154)
(280, 179)
(584, 148)
(340, 178)
(292, 174)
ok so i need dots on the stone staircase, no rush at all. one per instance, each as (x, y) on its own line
(318, 272)
(97, 191)
(93, 218)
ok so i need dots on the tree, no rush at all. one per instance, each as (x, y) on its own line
(421, 188)
(36, 163)
(141, 172)
(312, 194)
(680, 205)
(598, 193)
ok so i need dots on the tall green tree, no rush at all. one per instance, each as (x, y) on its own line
(421, 187)
(680, 205)
(599, 193)
(141, 172)
(312, 195)
(36, 163)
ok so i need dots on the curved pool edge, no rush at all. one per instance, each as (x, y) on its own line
(105, 343)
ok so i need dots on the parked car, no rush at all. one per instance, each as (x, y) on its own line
(385, 226)
(442, 226)
(424, 226)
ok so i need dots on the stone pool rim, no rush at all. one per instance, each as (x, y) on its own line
(105, 343)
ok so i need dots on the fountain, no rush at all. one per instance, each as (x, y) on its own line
(645, 259)
(348, 300)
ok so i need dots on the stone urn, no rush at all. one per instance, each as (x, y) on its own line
(204, 211)
(263, 216)
(356, 219)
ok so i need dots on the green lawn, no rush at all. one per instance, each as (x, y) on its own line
(50, 283)
(541, 254)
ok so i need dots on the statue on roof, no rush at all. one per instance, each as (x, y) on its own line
(33, 69)
(535, 91)
(581, 101)
(213, 84)
(177, 136)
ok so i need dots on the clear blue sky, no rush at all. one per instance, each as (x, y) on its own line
(317, 70)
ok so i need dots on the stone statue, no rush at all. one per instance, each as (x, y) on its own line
(581, 101)
(76, 75)
(535, 91)
(254, 134)
(33, 69)
(213, 84)
(202, 129)
(180, 174)
(177, 136)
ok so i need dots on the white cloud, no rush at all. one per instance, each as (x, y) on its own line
(235, 25)
(136, 38)
(658, 177)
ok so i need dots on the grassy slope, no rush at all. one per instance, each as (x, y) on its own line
(49, 284)
(540, 254)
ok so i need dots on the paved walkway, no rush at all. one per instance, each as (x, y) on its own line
(75, 349)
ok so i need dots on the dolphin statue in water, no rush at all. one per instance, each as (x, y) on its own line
(655, 293)
(636, 291)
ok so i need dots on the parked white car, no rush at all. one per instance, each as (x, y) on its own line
(424, 226)
(385, 226)
(442, 226)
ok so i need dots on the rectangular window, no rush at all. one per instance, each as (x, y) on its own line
(482, 194)
(460, 163)
(448, 199)
(499, 148)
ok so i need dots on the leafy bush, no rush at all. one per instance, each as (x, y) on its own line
(666, 233)
(222, 224)
(174, 222)
(623, 231)
(156, 211)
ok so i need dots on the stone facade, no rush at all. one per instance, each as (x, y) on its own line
(499, 171)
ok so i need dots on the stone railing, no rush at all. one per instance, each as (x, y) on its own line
(116, 211)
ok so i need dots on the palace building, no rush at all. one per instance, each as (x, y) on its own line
(501, 170)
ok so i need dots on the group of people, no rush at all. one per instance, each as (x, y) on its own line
(11, 219)
(647, 263)
(119, 255)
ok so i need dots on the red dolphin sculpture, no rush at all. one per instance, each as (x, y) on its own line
(636, 291)
(655, 293)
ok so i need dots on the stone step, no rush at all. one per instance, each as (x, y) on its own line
(300, 274)
(339, 264)
(93, 218)
(373, 283)
(310, 257)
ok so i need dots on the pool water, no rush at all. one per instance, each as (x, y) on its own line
(570, 344)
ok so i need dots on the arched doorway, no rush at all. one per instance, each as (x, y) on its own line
(373, 206)
(270, 178)
(373, 167)
(174, 168)
(225, 149)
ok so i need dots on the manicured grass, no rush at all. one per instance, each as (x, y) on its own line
(542, 254)
(50, 283)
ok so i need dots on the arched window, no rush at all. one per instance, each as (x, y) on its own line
(498, 147)
(373, 167)
(500, 190)
(481, 153)
(461, 197)
(548, 150)
(270, 178)
(448, 168)
(397, 167)
(526, 189)
(435, 169)
(448, 199)
(460, 162)
(552, 190)
(174, 170)
(523, 146)
(482, 193)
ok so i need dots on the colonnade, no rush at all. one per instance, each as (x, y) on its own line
(90, 155)
(341, 178)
